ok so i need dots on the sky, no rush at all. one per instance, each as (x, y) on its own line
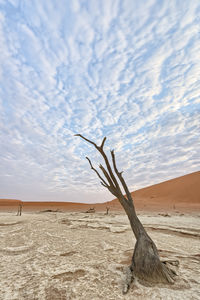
(128, 70)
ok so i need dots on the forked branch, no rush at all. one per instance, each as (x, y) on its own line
(100, 149)
(113, 185)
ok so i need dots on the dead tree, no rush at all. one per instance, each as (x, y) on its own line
(107, 210)
(19, 212)
(146, 264)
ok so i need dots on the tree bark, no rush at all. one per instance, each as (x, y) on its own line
(146, 264)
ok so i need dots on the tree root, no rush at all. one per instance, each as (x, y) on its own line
(171, 262)
(147, 267)
(165, 275)
(130, 277)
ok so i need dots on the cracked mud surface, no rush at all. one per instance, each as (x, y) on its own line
(85, 256)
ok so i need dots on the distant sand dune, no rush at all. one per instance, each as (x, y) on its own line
(180, 194)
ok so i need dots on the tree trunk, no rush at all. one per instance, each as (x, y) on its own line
(146, 264)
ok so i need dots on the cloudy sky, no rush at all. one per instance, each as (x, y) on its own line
(128, 70)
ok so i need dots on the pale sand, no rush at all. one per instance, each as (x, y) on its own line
(85, 256)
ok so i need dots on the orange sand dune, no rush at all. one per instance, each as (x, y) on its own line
(10, 202)
(54, 206)
(179, 194)
(182, 189)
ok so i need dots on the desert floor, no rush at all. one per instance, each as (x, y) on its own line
(85, 256)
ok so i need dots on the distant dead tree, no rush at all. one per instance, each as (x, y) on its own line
(19, 212)
(107, 210)
(146, 264)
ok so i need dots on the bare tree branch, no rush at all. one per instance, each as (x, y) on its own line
(103, 142)
(107, 176)
(110, 187)
(103, 184)
(110, 170)
(97, 147)
(112, 184)
(102, 180)
(119, 174)
(100, 149)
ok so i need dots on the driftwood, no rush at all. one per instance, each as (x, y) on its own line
(146, 264)
(90, 210)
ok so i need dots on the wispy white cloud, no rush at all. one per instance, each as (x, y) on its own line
(125, 69)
